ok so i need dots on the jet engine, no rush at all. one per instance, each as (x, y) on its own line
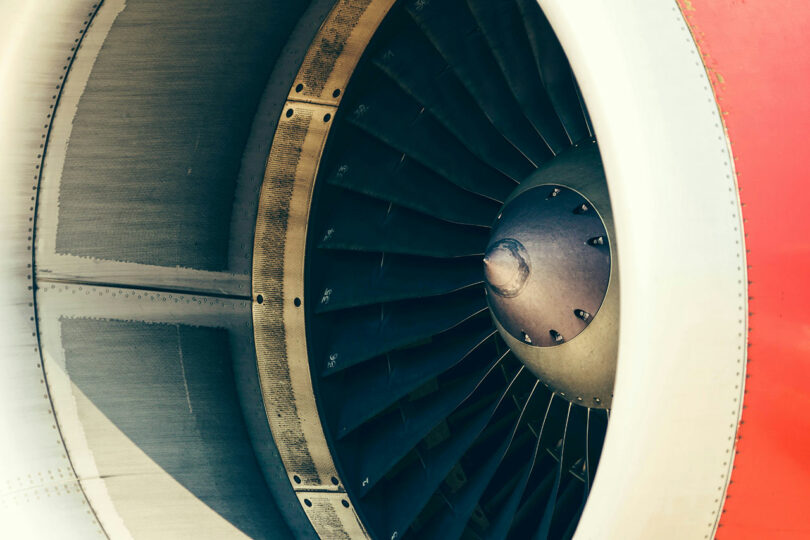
(386, 269)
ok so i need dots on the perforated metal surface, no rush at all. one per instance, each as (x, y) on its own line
(278, 268)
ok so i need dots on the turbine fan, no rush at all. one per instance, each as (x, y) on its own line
(436, 428)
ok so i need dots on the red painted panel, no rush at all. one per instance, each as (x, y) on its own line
(758, 56)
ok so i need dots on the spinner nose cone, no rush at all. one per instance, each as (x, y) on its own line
(547, 266)
(506, 267)
(547, 269)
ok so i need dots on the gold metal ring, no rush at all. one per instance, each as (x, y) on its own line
(279, 322)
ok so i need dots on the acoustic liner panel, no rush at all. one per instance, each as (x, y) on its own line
(170, 389)
(156, 144)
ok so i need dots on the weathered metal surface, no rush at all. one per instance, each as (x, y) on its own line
(278, 264)
(163, 226)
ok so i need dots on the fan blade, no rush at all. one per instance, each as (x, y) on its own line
(548, 513)
(452, 29)
(401, 324)
(586, 480)
(527, 516)
(360, 279)
(554, 70)
(566, 507)
(409, 369)
(588, 470)
(393, 440)
(386, 228)
(506, 480)
(597, 428)
(573, 522)
(463, 502)
(416, 485)
(412, 61)
(582, 106)
(502, 523)
(392, 116)
(502, 24)
(574, 466)
(372, 168)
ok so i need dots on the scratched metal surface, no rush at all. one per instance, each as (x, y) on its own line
(278, 265)
(157, 139)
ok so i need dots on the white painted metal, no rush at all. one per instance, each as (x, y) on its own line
(39, 494)
(670, 443)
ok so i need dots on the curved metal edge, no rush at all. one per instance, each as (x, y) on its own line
(278, 265)
(682, 343)
(41, 496)
(764, 95)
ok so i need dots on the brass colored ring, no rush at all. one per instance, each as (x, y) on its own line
(279, 251)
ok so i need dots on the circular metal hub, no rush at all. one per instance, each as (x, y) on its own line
(552, 280)
(547, 265)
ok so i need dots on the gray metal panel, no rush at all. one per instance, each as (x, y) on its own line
(170, 389)
(156, 144)
(148, 393)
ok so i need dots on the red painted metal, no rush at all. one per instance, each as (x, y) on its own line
(757, 53)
